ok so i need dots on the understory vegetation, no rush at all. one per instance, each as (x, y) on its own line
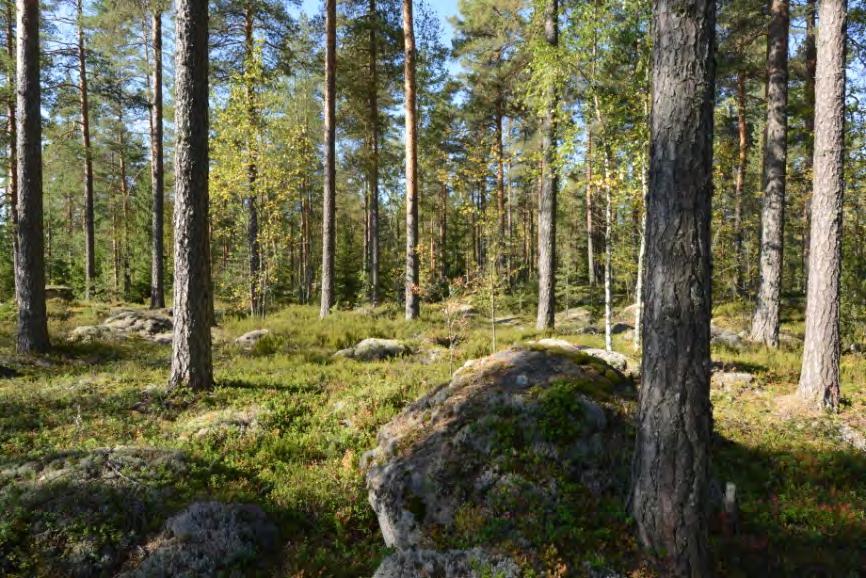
(287, 425)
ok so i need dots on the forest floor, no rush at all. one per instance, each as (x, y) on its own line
(287, 424)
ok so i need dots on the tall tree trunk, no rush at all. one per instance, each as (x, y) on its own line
(30, 266)
(810, 55)
(89, 234)
(740, 183)
(641, 259)
(191, 361)
(124, 199)
(413, 296)
(373, 96)
(251, 200)
(670, 467)
(590, 232)
(765, 323)
(328, 212)
(819, 378)
(502, 242)
(549, 186)
(157, 257)
(443, 233)
(608, 250)
(12, 188)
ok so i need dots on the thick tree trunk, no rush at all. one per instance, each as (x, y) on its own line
(670, 468)
(11, 112)
(89, 226)
(157, 256)
(810, 56)
(191, 362)
(740, 183)
(251, 200)
(549, 186)
(373, 96)
(328, 208)
(413, 289)
(765, 323)
(819, 378)
(30, 266)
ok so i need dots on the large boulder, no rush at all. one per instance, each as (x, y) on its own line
(374, 349)
(623, 364)
(497, 453)
(725, 337)
(250, 338)
(61, 292)
(474, 563)
(152, 325)
(207, 539)
(78, 513)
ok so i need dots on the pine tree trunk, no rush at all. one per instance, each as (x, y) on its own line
(740, 183)
(124, 199)
(810, 56)
(30, 266)
(670, 468)
(501, 241)
(12, 122)
(641, 260)
(89, 234)
(373, 289)
(443, 233)
(590, 232)
(191, 363)
(765, 323)
(819, 378)
(608, 250)
(251, 200)
(328, 208)
(157, 257)
(549, 186)
(413, 297)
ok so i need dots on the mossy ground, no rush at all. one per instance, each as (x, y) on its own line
(802, 491)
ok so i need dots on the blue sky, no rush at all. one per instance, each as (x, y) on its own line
(444, 8)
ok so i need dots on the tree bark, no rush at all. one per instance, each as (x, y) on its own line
(590, 232)
(157, 171)
(89, 227)
(740, 183)
(765, 323)
(191, 363)
(443, 233)
(328, 209)
(11, 112)
(413, 296)
(819, 378)
(374, 159)
(670, 468)
(810, 56)
(608, 253)
(549, 186)
(30, 266)
(251, 200)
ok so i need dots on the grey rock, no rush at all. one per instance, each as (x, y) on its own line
(725, 337)
(374, 349)
(61, 292)
(474, 563)
(618, 328)
(250, 338)
(448, 449)
(207, 539)
(729, 379)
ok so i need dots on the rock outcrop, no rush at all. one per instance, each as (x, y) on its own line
(207, 539)
(151, 325)
(496, 453)
(374, 349)
(250, 338)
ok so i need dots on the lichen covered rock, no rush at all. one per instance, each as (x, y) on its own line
(499, 451)
(474, 563)
(207, 539)
(374, 349)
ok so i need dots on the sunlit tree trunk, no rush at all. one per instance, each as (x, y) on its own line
(30, 266)
(819, 378)
(157, 249)
(549, 186)
(765, 323)
(670, 467)
(328, 209)
(89, 230)
(373, 98)
(413, 298)
(191, 363)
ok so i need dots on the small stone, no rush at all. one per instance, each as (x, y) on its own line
(250, 338)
